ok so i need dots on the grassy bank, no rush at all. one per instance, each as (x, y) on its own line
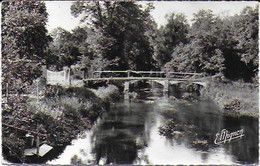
(234, 98)
(59, 116)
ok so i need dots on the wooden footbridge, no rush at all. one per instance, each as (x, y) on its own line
(160, 77)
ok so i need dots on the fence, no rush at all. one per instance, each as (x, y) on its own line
(60, 77)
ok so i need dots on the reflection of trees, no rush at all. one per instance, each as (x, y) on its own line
(245, 149)
(121, 133)
(206, 123)
(197, 121)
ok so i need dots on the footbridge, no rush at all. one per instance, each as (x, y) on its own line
(160, 77)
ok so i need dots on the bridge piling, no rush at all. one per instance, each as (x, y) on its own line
(128, 73)
(126, 89)
(166, 86)
(152, 86)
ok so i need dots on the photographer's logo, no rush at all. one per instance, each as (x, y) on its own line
(226, 136)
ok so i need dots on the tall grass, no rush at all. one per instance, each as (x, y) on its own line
(234, 98)
(61, 115)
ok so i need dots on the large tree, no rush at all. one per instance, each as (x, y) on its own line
(246, 35)
(173, 33)
(120, 32)
(201, 53)
(64, 49)
(24, 40)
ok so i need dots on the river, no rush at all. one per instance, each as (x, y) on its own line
(129, 134)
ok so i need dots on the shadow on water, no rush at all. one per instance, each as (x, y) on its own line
(129, 134)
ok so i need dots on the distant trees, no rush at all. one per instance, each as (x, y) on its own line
(63, 49)
(122, 35)
(220, 46)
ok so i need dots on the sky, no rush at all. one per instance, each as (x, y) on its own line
(59, 11)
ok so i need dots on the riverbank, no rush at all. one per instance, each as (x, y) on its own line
(234, 98)
(58, 117)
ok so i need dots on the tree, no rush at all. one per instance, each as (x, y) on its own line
(24, 40)
(239, 44)
(201, 53)
(120, 29)
(246, 34)
(64, 48)
(173, 33)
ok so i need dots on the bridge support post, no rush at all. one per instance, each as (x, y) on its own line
(66, 75)
(126, 90)
(166, 86)
(152, 86)
(128, 73)
(44, 71)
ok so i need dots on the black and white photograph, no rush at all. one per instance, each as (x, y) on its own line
(125, 82)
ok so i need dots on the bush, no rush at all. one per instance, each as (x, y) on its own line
(61, 115)
(235, 104)
(237, 97)
(109, 93)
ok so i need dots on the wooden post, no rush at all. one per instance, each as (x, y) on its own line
(83, 74)
(126, 96)
(7, 92)
(66, 75)
(44, 71)
(37, 144)
(152, 85)
(128, 73)
(166, 86)
(37, 89)
(126, 89)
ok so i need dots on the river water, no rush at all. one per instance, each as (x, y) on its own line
(129, 134)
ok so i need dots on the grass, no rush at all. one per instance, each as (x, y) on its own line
(234, 98)
(61, 115)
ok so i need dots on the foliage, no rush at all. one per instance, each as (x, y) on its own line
(64, 49)
(120, 33)
(234, 97)
(109, 93)
(201, 53)
(61, 116)
(247, 36)
(173, 33)
(217, 46)
(24, 40)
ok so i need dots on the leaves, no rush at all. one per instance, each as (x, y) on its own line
(119, 34)
(24, 39)
(219, 45)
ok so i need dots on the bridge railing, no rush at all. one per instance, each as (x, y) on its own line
(185, 75)
(128, 73)
(131, 73)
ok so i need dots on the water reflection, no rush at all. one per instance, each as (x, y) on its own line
(129, 134)
(122, 134)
